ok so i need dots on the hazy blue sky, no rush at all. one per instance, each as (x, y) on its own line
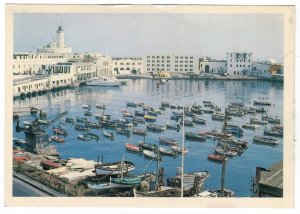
(142, 34)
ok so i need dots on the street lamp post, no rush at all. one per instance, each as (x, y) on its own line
(183, 138)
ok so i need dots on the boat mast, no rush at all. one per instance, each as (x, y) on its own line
(224, 154)
(157, 187)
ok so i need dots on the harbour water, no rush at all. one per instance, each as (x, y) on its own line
(239, 170)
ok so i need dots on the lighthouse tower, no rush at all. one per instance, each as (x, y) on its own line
(60, 38)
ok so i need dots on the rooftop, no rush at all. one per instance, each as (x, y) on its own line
(274, 176)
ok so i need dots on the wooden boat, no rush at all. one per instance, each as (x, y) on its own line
(81, 119)
(123, 131)
(152, 155)
(57, 139)
(220, 135)
(188, 180)
(207, 134)
(102, 117)
(140, 119)
(250, 126)
(93, 125)
(87, 113)
(133, 147)
(92, 136)
(155, 127)
(198, 120)
(100, 106)
(166, 151)
(265, 140)
(239, 104)
(227, 193)
(173, 106)
(131, 104)
(127, 114)
(236, 113)
(152, 113)
(178, 149)
(48, 164)
(207, 102)
(230, 147)
(139, 132)
(114, 168)
(108, 134)
(195, 136)
(243, 144)
(258, 109)
(86, 106)
(187, 123)
(81, 127)
(216, 157)
(258, 122)
(69, 120)
(218, 117)
(262, 102)
(149, 118)
(234, 129)
(168, 141)
(273, 133)
(59, 131)
(124, 123)
(108, 124)
(83, 137)
(220, 150)
(108, 187)
(149, 146)
(139, 113)
(208, 111)
(172, 126)
(274, 121)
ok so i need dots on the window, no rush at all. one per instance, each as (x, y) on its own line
(176, 57)
(237, 65)
(186, 61)
(148, 57)
(168, 65)
(191, 57)
(157, 57)
(176, 65)
(191, 61)
(153, 57)
(176, 69)
(168, 57)
(185, 65)
(153, 65)
(162, 57)
(249, 66)
(148, 60)
(176, 61)
(181, 57)
(181, 61)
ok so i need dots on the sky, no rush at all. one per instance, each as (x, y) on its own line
(138, 35)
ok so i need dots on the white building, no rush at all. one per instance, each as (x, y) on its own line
(171, 63)
(266, 68)
(52, 53)
(127, 66)
(213, 67)
(239, 63)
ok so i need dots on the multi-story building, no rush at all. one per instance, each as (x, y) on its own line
(213, 67)
(266, 68)
(171, 63)
(52, 53)
(239, 63)
(127, 66)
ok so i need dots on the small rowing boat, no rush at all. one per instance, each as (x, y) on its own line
(133, 147)
(178, 149)
(57, 139)
(168, 141)
(265, 140)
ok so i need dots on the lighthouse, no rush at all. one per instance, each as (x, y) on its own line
(60, 38)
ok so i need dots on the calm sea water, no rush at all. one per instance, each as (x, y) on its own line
(239, 170)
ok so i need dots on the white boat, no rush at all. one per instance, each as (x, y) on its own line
(114, 168)
(178, 149)
(103, 81)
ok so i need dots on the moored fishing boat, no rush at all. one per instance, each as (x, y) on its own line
(187, 123)
(262, 102)
(81, 119)
(195, 136)
(83, 137)
(166, 151)
(81, 127)
(178, 149)
(133, 147)
(139, 131)
(198, 120)
(86, 106)
(216, 157)
(131, 104)
(274, 120)
(92, 136)
(87, 113)
(149, 118)
(152, 155)
(233, 129)
(60, 131)
(149, 146)
(100, 106)
(57, 139)
(243, 144)
(123, 131)
(155, 127)
(273, 133)
(220, 150)
(108, 134)
(93, 125)
(250, 126)
(114, 168)
(265, 140)
(258, 122)
(103, 82)
(218, 117)
(152, 113)
(167, 141)
(140, 119)
(170, 125)
(108, 124)
(208, 111)
(139, 113)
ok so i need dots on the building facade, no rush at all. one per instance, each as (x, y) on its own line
(52, 53)
(266, 68)
(171, 63)
(127, 66)
(213, 67)
(239, 63)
